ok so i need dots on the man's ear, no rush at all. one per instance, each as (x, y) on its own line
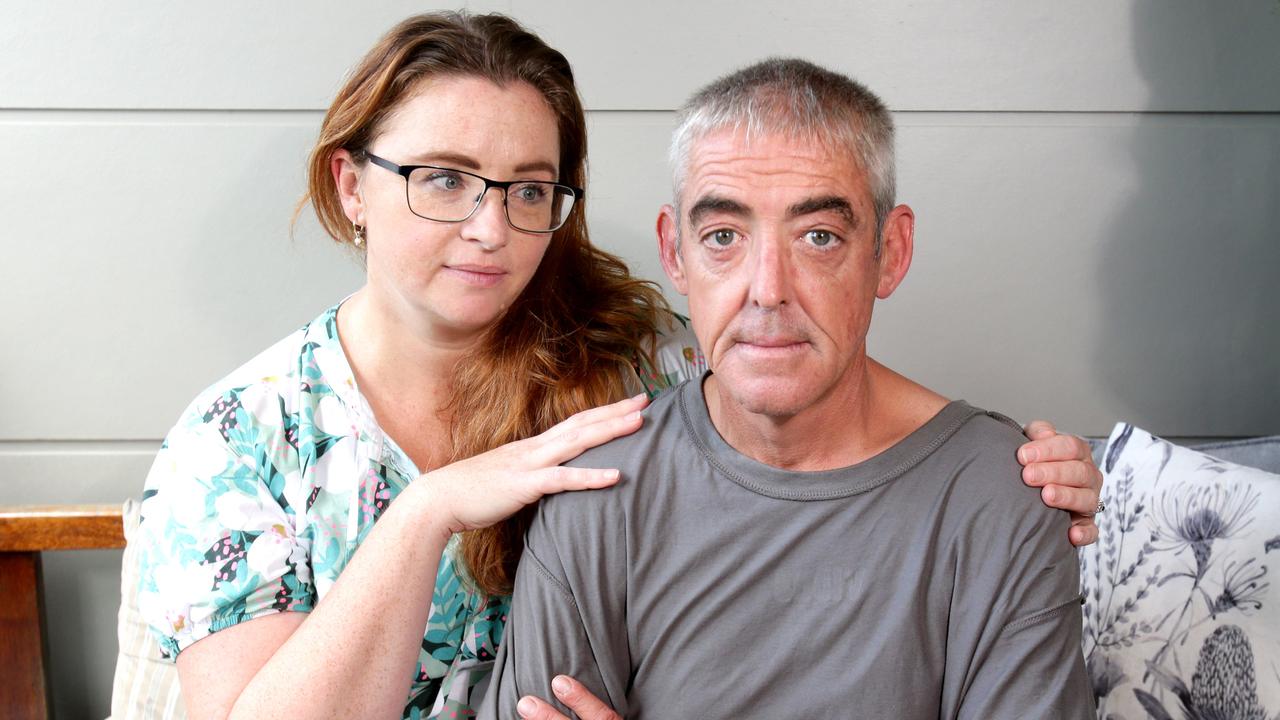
(895, 252)
(346, 176)
(669, 248)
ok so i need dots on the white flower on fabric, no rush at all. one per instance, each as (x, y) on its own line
(270, 553)
(262, 401)
(181, 474)
(332, 417)
(175, 586)
(340, 468)
(200, 450)
(252, 514)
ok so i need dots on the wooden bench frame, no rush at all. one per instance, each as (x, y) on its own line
(26, 531)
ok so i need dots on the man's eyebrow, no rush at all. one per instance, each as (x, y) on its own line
(828, 203)
(708, 204)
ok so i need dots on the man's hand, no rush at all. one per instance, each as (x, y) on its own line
(1063, 468)
(573, 695)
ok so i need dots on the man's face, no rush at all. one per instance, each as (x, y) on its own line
(777, 256)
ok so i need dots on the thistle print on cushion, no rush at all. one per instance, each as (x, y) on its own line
(1182, 613)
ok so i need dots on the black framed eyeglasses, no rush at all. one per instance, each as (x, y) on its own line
(449, 195)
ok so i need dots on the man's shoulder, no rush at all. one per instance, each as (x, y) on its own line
(980, 452)
(986, 494)
(663, 424)
(644, 459)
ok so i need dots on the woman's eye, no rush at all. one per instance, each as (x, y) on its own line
(720, 238)
(441, 180)
(531, 193)
(821, 238)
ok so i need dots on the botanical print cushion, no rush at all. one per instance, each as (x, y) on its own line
(1182, 612)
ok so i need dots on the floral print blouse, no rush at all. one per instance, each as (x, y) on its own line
(273, 477)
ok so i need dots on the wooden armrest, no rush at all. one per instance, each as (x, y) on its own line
(35, 528)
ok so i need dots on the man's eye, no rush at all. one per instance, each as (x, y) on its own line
(821, 238)
(720, 238)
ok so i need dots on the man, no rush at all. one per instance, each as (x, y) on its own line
(805, 533)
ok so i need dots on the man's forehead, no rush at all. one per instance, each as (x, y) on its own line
(731, 163)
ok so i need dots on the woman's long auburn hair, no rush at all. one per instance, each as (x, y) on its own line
(581, 323)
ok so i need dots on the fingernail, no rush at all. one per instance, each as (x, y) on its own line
(1029, 455)
(526, 707)
(561, 684)
(641, 396)
(1034, 475)
(634, 416)
(611, 475)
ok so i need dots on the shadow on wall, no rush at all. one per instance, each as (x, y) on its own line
(1190, 335)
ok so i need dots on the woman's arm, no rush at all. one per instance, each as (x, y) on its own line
(355, 653)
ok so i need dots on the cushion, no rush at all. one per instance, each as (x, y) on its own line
(145, 686)
(1182, 614)
(1260, 452)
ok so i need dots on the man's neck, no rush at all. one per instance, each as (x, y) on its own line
(858, 419)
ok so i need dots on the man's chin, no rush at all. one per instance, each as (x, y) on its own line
(779, 397)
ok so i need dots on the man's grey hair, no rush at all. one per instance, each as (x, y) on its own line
(802, 101)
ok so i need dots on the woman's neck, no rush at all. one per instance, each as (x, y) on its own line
(402, 366)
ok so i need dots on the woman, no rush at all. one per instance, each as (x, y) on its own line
(449, 383)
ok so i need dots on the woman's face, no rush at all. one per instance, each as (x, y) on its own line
(454, 278)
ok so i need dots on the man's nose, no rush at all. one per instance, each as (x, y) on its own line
(770, 274)
(488, 224)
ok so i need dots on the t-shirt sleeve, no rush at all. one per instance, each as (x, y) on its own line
(1014, 635)
(676, 358)
(220, 541)
(567, 611)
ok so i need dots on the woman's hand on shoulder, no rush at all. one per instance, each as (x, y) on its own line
(573, 695)
(1062, 467)
(490, 487)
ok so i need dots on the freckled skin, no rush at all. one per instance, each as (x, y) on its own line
(779, 266)
(501, 129)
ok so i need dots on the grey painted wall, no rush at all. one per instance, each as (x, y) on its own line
(1096, 186)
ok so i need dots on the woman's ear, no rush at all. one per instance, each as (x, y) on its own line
(346, 177)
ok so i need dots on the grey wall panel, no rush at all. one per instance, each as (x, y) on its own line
(986, 55)
(59, 472)
(1095, 270)
(629, 182)
(155, 259)
(153, 54)
(936, 55)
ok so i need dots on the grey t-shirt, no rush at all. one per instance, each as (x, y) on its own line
(925, 582)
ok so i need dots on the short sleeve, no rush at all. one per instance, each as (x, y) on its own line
(220, 541)
(1013, 642)
(676, 358)
(569, 608)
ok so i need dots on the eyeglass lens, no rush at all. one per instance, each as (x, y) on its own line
(450, 196)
